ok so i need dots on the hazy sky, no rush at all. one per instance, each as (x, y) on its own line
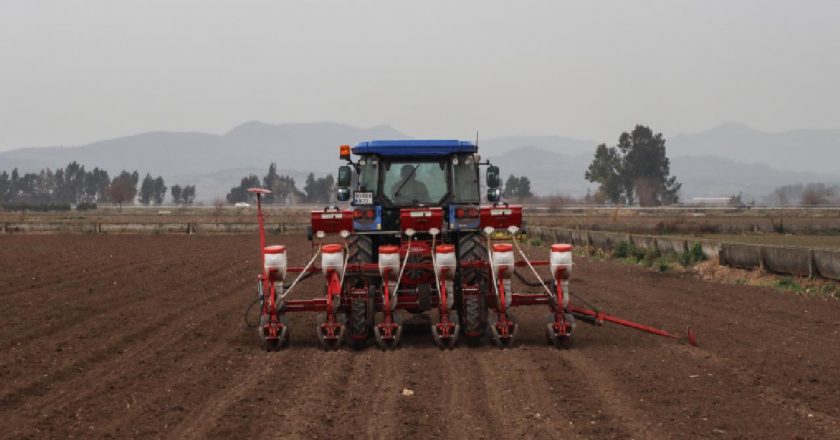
(72, 72)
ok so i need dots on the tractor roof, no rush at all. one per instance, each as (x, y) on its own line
(415, 147)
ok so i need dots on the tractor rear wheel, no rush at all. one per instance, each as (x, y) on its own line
(472, 310)
(359, 322)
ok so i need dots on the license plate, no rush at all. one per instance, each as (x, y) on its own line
(363, 198)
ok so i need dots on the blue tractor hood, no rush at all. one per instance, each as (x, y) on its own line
(415, 147)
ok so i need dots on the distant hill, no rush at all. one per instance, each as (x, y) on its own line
(550, 173)
(210, 161)
(311, 146)
(554, 144)
(553, 173)
(799, 150)
(722, 161)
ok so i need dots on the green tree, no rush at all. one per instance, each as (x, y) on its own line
(176, 191)
(517, 188)
(606, 169)
(319, 190)
(188, 195)
(524, 191)
(310, 188)
(159, 193)
(637, 168)
(240, 193)
(271, 181)
(147, 189)
(96, 186)
(5, 185)
(283, 188)
(70, 183)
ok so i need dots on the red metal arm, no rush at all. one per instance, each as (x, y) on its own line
(601, 317)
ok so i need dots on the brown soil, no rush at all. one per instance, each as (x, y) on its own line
(143, 337)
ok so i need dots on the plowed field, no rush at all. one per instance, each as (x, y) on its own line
(143, 337)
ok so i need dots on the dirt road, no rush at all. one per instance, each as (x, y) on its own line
(143, 337)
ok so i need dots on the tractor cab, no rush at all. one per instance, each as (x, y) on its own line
(391, 176)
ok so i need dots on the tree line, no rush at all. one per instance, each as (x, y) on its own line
(284, 190)
(74, 185)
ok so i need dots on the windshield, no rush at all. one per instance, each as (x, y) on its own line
(465, 181)
(408, 183)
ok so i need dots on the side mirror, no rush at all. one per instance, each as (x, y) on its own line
(342, 194)
(344, 176)
(494, 195)
(492, 179)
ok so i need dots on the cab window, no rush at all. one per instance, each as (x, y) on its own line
(411, 183)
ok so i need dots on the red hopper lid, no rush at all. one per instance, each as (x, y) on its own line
(502, 247)
(445, 249)
(275, 249)
(389, 249)
(331, 248)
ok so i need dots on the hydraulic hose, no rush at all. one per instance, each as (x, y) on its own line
(528, 283)
(248, 311)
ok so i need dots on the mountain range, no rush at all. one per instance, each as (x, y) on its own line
(725, 160)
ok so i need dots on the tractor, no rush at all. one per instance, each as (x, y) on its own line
(415, 238)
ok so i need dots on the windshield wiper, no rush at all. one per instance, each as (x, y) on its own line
(404, 181)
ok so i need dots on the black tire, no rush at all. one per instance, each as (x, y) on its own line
(564, 342)
(276, 345)
(472, 312)
(359, 324)
(360, 248)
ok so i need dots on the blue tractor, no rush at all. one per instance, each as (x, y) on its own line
(415, 238)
